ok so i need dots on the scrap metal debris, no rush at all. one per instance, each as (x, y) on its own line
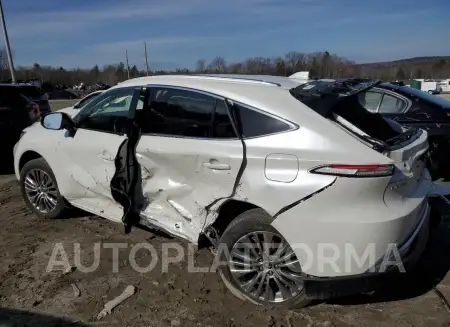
(107, 308)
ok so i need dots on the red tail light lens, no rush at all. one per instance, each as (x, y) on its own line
(348, 170)
(34, 110)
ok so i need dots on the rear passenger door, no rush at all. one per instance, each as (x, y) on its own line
(190, 158)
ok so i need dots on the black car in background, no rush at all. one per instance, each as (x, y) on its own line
(16, 112)
(414, 108)
(36, 95)
(408, 106)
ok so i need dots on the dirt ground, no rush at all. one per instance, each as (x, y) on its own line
(30, 296)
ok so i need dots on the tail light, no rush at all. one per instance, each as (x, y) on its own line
(34, 110)
(347, 170)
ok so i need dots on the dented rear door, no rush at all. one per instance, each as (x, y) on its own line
(190, 159)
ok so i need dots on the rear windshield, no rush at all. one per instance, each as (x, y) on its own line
(328, 99)
(31, 91)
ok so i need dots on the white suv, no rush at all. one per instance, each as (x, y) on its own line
(277, 175)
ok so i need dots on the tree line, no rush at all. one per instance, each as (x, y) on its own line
(319, 64)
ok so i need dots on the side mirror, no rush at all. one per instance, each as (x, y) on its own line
(57, 121)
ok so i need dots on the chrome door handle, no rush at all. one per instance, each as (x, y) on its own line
(216, 166)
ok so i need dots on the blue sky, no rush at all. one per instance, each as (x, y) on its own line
(178, 32)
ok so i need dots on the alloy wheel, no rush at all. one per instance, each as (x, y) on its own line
(41, 190)
(265, 267)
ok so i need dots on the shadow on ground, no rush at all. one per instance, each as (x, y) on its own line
(7, 164)
(426, 275)
(18, 318)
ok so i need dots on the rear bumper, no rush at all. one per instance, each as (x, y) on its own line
(410, 252)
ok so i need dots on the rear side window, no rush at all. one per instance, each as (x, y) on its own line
(31, 91)
(255, 123)
(391, 105)
(370, 100)
(10, 95)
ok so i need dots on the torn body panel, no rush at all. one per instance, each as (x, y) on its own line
(126, 182)
(180, 179)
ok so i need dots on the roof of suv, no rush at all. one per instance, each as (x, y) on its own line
(261, 91)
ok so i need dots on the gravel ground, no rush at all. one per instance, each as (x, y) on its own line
(33, 297)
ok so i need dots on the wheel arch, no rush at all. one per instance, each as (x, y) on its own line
(28, 156)
(228, 211)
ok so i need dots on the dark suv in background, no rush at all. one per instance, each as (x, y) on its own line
(36, 95)
(17, 111)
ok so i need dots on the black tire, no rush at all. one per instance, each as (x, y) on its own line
(253, 220)
(61, 205)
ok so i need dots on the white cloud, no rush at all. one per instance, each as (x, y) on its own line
(57, 23)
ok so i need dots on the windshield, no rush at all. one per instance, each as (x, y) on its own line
(426, 96)
(87, 99)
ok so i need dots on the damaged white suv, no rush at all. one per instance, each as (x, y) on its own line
(304, 189)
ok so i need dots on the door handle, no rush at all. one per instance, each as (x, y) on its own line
(216, 165)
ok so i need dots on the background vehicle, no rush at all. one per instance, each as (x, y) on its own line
(16, 113)
(415, 108)
(262, 165)
(444, 85)
(37, 96)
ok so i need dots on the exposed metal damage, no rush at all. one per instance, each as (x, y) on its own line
(180, 198)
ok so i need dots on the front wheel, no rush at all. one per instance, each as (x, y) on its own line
(261, 266)
(40, 190)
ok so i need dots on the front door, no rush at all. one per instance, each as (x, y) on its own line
(102, 128)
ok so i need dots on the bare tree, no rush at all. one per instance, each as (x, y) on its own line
(201, 66)
(218, 65)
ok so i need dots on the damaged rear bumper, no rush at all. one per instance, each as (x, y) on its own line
(411, 251)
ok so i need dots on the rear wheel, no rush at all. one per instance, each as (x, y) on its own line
(261, 266)
(40, 190)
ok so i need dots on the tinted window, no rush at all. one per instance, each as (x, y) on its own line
(370, 100)
(87, 99)
(10, 96)
(222, 126)
(391, 105)
(255, 123)
(178, 112)
(31, 91)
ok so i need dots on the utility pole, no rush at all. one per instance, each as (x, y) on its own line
(8, 48)
(146, 58)
(128, 66)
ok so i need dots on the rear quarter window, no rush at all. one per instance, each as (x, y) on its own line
(256, 123)
(31, 91)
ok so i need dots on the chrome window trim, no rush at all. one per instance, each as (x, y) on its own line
(292, 126)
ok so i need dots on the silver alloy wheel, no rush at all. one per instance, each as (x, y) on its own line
(41, 190)
(265, 267)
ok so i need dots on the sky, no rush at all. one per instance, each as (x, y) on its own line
(83, 33)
